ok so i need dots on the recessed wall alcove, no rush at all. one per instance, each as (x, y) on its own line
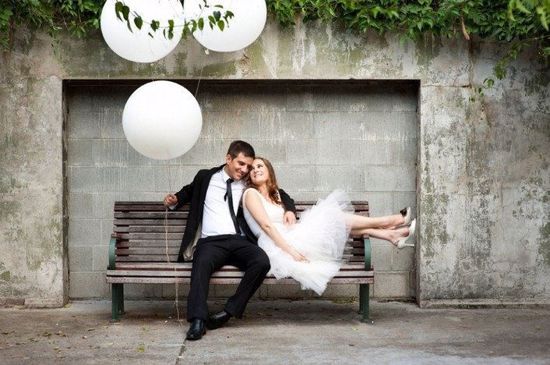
(321, 135)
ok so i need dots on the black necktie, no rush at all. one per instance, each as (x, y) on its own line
(229, 196)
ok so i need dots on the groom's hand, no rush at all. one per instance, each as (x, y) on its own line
(170, 200)
(289, 218)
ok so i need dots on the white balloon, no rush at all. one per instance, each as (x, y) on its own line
(162, 120)
(138, 46)
(243, 29)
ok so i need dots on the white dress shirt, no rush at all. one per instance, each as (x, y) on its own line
(216, 218)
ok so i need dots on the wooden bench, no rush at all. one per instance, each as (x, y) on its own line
(146, 240)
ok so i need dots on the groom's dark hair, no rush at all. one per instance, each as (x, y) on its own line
(243, 147)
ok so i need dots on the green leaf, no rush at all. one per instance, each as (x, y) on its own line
(521, 7)
(170, 28)
(125, 12)
(217, 15)
(186, 31)
(200, 23)
(221, 25)
(542, 16)
(488, 82)
(155, 24)
(5, 15)
(138, 21)
(118, 9)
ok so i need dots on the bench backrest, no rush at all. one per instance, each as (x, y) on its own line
(147, 233)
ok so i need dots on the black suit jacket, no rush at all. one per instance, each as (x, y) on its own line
(195, 194)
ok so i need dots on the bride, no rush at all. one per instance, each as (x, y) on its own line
(311, 251)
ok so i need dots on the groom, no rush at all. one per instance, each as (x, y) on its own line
(216, 219)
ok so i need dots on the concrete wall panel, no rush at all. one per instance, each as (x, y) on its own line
(482, 175)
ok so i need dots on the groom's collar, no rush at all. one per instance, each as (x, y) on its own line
(225, 176)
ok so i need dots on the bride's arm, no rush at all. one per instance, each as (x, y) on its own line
(256, 209)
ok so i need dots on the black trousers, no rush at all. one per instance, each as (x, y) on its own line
(210, 255)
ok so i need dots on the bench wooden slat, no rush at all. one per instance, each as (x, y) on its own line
(144, 241)
(157, 229)
(148, 243)
(188, 265)
(174, 257)
(153, 222)
(162, 236)
(217, 274)
(141, 241)
(151, 215)
(160, 246)
(147, 251)
(156, 236)
(135, 205)
(161, 258)
(217, 281)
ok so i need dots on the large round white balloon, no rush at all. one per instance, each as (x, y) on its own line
(243, 29)
(138, 45)
(162, 120)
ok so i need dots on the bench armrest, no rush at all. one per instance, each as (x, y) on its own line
(112, 247)
(368, 252)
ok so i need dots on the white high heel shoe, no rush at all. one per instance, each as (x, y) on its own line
(402, 243)
(407, 214)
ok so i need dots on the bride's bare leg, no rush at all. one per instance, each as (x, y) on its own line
(355, 221)
(390, 235)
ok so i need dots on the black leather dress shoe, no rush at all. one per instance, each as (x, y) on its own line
(217, 320)
(196, 330)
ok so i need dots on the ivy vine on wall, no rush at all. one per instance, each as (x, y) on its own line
(517, 24)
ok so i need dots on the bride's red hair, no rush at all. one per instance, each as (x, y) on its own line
(272, 187)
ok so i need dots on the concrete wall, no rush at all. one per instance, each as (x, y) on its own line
(320, 136)
(483, 172)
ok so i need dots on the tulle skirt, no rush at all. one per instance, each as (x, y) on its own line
(320, 236)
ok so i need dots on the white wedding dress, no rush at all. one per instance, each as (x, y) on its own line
(320, 236)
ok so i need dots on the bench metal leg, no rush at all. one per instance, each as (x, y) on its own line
(117, 303)
(121, 302)
(364, 303)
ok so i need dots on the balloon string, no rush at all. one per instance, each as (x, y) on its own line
(176, 303)
(199, 82)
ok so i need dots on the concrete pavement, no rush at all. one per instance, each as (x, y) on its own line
(276, 332)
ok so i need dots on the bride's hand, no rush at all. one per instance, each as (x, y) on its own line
(298, 256)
